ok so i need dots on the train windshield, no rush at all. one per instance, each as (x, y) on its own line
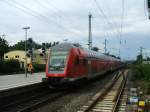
(57, 60)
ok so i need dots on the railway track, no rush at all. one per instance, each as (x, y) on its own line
(41, 101)
(30, 101)
(111, 98)
(122, 101)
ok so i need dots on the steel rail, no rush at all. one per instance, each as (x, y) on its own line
(120, 93)
(103, 93)
(42, 102)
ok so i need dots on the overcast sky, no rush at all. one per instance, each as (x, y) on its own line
(56, 20)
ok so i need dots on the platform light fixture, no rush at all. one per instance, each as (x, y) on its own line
(26, 36)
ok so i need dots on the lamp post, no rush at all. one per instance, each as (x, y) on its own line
(26, 29)
(90, 33)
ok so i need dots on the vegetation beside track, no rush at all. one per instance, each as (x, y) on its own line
(141, 76)
(13, 67)
(9, 66)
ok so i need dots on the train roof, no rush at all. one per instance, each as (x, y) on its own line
(90, 53)
(62, 46)
(95, 54)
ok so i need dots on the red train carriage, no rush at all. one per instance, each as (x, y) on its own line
(68, 62)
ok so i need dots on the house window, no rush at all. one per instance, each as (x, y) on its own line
(6, 56)
(41, 54)
(16, 56)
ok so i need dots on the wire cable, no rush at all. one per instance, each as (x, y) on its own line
(121, 27)
(58, 12)
(122, 18)
(105, 17)
(35, 14)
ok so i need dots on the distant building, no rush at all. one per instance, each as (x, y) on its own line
(38, 57)
(146, 62)
(17, 55)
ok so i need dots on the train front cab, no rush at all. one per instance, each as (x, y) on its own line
(66, 66)
(56, 65)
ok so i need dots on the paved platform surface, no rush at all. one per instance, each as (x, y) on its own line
(18, 80)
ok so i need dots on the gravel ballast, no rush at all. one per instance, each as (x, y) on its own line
(77, 98)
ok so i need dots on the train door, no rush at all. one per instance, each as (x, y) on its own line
(89, 67)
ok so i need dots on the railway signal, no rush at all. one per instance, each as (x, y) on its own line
(30, 50)
(43, 50)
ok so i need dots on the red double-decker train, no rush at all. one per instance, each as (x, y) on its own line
(68, 62)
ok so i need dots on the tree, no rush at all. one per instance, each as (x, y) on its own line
(148, 58)
(48, 45)
(57, 43)
(118, 57)
(3, 47)
(54, 43)
(30, 44)
(19, 46)
(139, 58)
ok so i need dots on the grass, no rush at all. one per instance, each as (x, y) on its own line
(141, 76)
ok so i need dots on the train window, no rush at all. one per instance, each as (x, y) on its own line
(84, 61)
(58, 60)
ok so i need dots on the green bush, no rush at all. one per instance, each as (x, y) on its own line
(9, 66)
(141, 76)
(38, 67)
(141, 72)
(13, 67)
(148, 88)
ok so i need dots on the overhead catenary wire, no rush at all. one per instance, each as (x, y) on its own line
(107, 21)
(122, 18)
(23, 10)
(109, 34)
(44, 17)
(112, 25)
(106, 34)
(35, 14)
(121, 26)
(47, 7)
(57, 12)
(53, 6)
(26, 10)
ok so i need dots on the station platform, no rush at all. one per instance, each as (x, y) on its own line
(19, 80)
